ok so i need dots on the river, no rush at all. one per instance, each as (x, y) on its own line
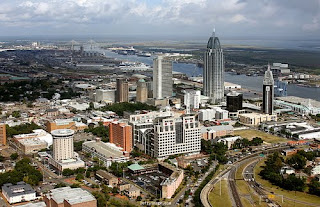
(249, 82)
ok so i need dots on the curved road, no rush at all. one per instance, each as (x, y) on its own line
(204, 195)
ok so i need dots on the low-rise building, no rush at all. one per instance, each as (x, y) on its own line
(254, 119)
(315, 170)
(212, 132)
(106, 152)
(69, 197)
(228, 141)
(287, 170)
(132, 192)
(107, 178)
(65, 124)
(18, 193)
(170, 184)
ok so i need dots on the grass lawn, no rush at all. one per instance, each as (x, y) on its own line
(215, 198)
(291, 194)
(251, 133)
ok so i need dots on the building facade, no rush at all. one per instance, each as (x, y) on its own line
(3, 134)
(192, 99)
(268, 92)
(20, 192)
(162, 78)
(62, 144)
(122, 93)
(234, 101)
(176, 136)
(213, 71)
(142, 91)
(120, 134)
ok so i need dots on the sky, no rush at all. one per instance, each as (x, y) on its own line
(273, 19)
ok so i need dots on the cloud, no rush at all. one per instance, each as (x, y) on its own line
(194, 17)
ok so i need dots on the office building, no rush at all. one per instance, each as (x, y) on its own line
(20, 192)
(142, 91)
(192, 99)
(162, 78)
(122, 93)
(102, 95)
(234, 101)
(216, 113)
(255, 119)
(69, 197)
(3, 134)
(105, 152)
(62, 144)
(213, 71)
(65, 124)
(120, 134)
(268, 92)
(176, 136)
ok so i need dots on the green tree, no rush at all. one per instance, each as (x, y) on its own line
(79, 177)
(1, 158)
(67, 172)
(14, 156)
(297, 161)
(314, 187)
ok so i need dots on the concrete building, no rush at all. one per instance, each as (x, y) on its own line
(162, 78)
(30, 145)
(107, 178)
(3, 134)
(37, 133)
(215, 113)
(144, 121)
(209, 133)
(170, 184)
(65, 124)
(192, 99)
(20, 192)
(268, 92)
(120, 134)
(228, 141)
(176, 136)
(315, 170)
(234, 101)
(103, 95)
(132, 192)
(213, 71)
(106, 152)
(122, 93)
(69, 197)
(255, 119)
(142, 91)
(62, 144)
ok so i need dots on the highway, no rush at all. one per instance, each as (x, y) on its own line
(204, 196)
(248, 175)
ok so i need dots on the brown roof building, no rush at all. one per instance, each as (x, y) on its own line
(120, 133)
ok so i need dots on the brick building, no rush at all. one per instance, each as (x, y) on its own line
(3, 135)
(120, 133)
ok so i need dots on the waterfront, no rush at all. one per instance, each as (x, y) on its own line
(249, 82)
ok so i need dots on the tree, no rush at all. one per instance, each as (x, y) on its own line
(60, 185)
(1, 158)
(139, 198)
(74, 185)
(67, 172)
(78, 146)
(14, 156)
(297, 161)
(79, 177)
(16, 114)
(114, 190)
(314, 187)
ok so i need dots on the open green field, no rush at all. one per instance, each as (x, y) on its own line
(250, 133)
(301, 196)
(215, 198)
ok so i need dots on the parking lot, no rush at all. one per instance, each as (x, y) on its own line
(151, 181)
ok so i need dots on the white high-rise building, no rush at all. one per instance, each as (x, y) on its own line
(162, 78)
(268, 92)
(213, 70)
(62, 144)
(173, 136)
(192, 99)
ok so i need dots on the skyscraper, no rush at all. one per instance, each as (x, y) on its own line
(268, 92)
(213, 74)
(162, 78)
(142, 91)
(120, 133)
(122, 93)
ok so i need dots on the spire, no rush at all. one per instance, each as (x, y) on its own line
(269, 66)
(214, 32)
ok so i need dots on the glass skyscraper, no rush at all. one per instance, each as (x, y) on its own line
(213, 73)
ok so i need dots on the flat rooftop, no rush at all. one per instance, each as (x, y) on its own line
(302, 101)
(106, 149)
(72, 195)
(21, 188)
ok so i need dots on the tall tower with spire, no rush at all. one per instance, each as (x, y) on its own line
(213, 71)
(268, 92)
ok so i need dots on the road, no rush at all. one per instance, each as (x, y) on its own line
(248, 174)
(188, 186)
(233, 186)
(204, 196)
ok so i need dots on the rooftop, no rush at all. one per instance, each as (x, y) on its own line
(62, 132)
(106, 149)
(37, 204)
(21, 188)
(71, 195)
(135, 167)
